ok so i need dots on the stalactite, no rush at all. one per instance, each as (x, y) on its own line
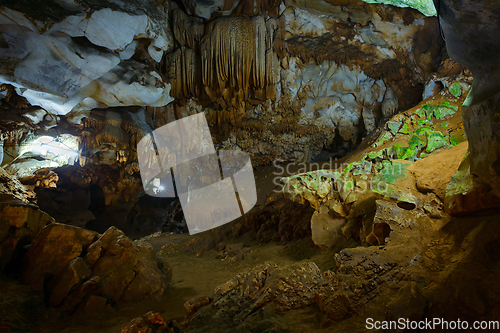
(184, 73)
(237, 57)
(188, 31)
(235, 60)
(255, 7)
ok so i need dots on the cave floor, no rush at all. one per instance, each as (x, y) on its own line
(194, 274)
(454, 258)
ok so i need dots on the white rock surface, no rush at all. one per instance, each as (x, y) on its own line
(52, 69)
(336, 95)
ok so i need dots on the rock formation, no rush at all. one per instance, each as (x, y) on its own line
(80, 269)
(477, 184)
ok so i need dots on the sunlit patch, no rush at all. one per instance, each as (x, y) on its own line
(60, 150)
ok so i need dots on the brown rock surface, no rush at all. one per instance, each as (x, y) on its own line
(19, 224)
(128, 270)
(52, 249)
(434, 172)
(77, 266)
(149, 323)
(75, 271)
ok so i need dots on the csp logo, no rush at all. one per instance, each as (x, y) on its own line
(179, 159)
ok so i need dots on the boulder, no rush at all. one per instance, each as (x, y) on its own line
(250, 300)
(433, 173)
(51, 251)
(286, 288)
(150, 322)
(19, 224)
(80, 269)
(128, 270)
(326, 230)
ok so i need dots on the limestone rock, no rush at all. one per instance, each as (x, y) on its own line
(390, 103)
(434, 173)
(477, 49)
(90, 68)
(52, 249)
(363, 274)
(20, 223)
(311, 88)
(285, 287)
(75, 271)
(12, 187)
(326, 230)
(203, 9)
(251, 298)
(192, 305)
(150, 322)
(81, 269)
(127, 270)
(91, 304)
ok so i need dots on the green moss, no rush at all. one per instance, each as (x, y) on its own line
(384, 138)
(427, 111)
(349, 167)
(449, 105)
(420, 112)
(375, 154)
(423, 131)
(441, 112)
(310, 181)
(407, 153)
(393, 126)
(424, 122)
(391, 172)
(445, 124)
(426, 7)
(405, 129)
(416, 143)
(436, 140)
(455, 89)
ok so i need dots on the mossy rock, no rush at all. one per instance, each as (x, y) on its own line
(423, 130)
(443, 112)
(435, 141)
(391, 172)
(455, 89)
(424, 122)
(416, 142)
(386, 136)
(405, 129)
(393, 126)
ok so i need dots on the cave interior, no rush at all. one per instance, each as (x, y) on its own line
(251, 166)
